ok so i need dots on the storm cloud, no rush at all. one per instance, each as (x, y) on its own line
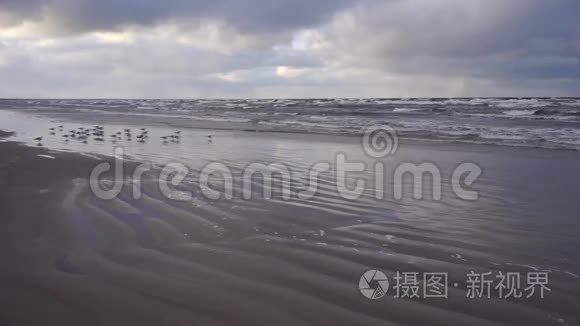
(229, 48)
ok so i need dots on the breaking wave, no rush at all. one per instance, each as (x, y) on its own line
(540, 122)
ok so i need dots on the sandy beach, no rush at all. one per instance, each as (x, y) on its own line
(73, 258)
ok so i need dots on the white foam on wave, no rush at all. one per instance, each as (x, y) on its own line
(520, 103)
(473, 101)
(519, 112)
(406, 110)
(410, 102)
(575, 103)
(46, 156)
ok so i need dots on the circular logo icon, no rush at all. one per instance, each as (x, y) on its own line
(373, 284)
(380, 141)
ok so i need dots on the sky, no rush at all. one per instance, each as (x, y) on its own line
(288, 48)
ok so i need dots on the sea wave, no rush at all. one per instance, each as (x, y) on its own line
(546, 120)
(520, 112)
(407, 110)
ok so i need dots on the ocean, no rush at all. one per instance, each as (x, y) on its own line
(532, 122)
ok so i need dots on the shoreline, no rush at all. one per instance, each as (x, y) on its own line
(248, 127)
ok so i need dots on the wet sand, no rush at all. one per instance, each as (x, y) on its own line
(71, 258)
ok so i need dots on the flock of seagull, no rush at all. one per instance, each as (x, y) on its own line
(98, 133)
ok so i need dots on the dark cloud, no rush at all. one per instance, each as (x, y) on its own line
(21, 8)
(78, 16)
(330, 48)
(490, 39)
